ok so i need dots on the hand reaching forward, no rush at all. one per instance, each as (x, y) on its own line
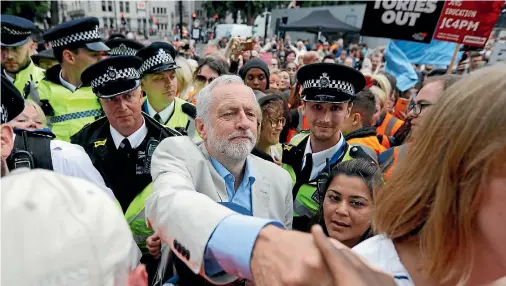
(347, 268)
(290, 258)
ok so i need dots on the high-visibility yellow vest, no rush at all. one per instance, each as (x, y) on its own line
(306, 200)
(31, 72)
(136, 218)
(179, 118)
(72, 110)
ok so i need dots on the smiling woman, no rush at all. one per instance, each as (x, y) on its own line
(346, 201)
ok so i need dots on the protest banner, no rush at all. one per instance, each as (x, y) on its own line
(402, 20)
(468, 22)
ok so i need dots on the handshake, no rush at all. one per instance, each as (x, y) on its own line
(282, 257)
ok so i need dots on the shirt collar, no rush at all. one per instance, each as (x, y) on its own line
(10, 78)
(224, 173)
(135, 138)
(319, 158)
(164, 114)
(67, 84)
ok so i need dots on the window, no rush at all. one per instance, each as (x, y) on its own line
(121, 6)
(111, 22)
(127, 7)
(109, 6)
(105, 22)
(103, 6)
(199, 13)
(139, 25)
(165, 11)
(154, 10)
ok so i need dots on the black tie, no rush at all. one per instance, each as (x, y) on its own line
(308, 167)
(158, 118)
(125, 145)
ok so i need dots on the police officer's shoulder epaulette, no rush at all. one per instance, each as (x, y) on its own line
(87, 130)
(358, 152)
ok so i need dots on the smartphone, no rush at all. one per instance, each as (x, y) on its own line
(245, 46)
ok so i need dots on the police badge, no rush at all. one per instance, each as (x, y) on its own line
(324, 81)
(112, 73)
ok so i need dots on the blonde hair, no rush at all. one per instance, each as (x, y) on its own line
(434, 193)
(381, 95)
(32, 103)
(184, 78)
(383, 82)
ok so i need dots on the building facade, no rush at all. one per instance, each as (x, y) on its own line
(160, 17)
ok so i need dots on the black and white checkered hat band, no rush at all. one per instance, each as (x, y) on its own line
(340, 85)
(4, 114)
(13, 32)
(87, 36)
(122, 50)
(112, 75)
(160, 58)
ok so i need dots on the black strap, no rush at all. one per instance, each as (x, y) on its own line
(38, 146)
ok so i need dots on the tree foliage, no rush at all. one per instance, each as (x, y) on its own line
(31, 10)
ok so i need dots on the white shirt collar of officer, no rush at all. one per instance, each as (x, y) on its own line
(135, 138)
(67, 84)
(164, 114)
(319, 158)
(10, 78)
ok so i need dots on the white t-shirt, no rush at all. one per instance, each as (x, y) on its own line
(380, 252)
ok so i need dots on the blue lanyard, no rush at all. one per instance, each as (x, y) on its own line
(339, 154)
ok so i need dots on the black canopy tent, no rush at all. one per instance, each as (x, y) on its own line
(319, 21)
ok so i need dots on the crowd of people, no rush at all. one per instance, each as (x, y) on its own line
(255, 163)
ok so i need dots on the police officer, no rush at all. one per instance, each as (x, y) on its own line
(121, 144)
(37, 149)
(76, 45)
(160, 85)
(328, 92)
(123, 47)
(16, 50)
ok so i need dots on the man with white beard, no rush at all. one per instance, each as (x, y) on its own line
(188, 180)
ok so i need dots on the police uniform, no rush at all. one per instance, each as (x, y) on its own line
(324, 83)
(15, 33)
(12, 103)
(37, 149)
(70, 107)
(179, 114)
(123, 47)
(124, 162)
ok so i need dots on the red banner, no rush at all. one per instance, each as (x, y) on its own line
(468, 22)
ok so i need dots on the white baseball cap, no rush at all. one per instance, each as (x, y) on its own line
(59, 230)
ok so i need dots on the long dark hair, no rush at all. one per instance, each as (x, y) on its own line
(361, 168)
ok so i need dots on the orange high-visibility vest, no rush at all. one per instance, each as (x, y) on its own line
(389, 125)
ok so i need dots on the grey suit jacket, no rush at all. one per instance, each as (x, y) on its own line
(183, 209)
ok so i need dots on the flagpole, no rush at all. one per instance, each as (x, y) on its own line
(452, 63)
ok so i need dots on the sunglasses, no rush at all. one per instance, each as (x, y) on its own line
(203, 79)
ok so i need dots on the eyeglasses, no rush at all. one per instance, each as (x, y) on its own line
(418, 107)
(203, 79)
(276, 122)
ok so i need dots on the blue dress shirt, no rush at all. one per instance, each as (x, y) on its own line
(242, 196)
(231, 244)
